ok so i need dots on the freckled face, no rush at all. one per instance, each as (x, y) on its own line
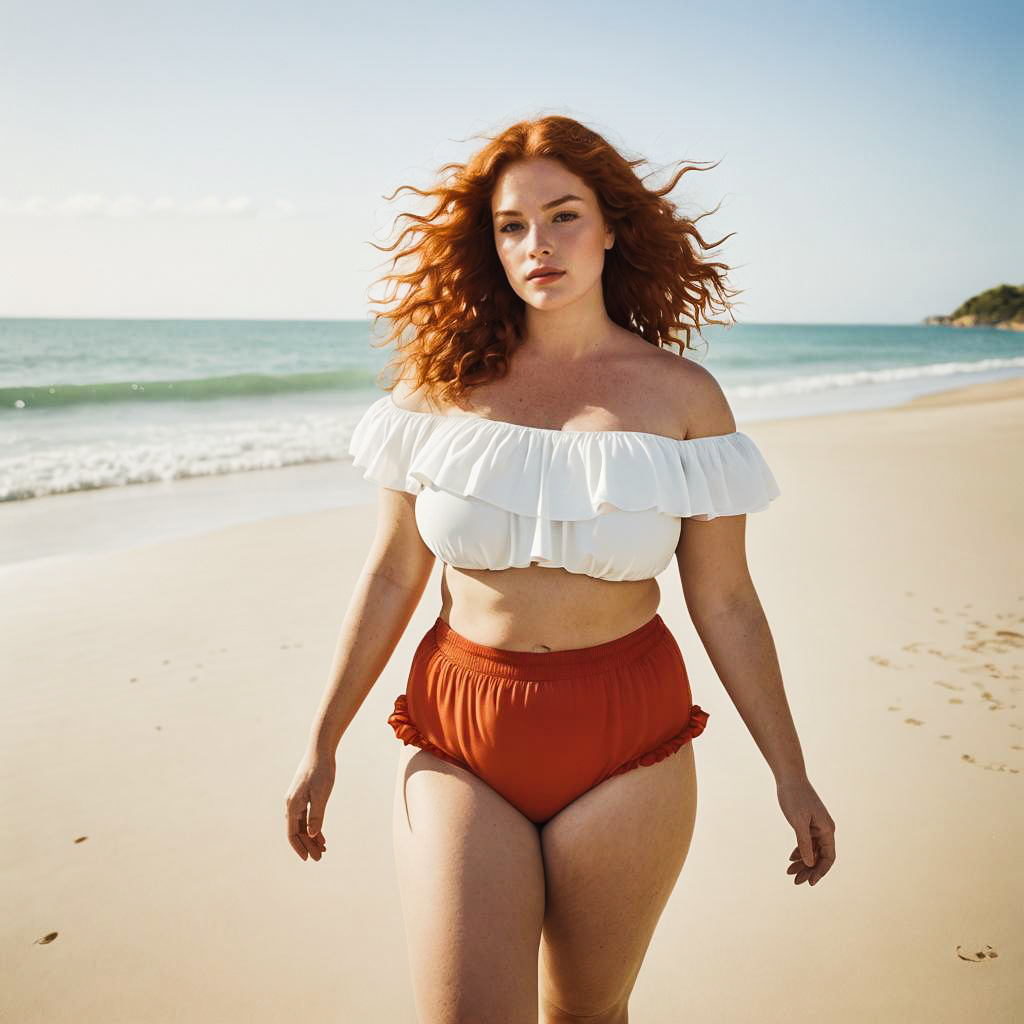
(543, 215)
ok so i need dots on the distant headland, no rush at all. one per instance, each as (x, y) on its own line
(1001, 307)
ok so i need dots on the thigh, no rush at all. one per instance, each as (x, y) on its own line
(471, 881)
(611, 860)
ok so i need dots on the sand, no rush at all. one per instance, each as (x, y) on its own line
(157, 700)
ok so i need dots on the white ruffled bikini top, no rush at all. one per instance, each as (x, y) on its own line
(606, 503)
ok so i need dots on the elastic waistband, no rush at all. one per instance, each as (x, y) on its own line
(547, 664)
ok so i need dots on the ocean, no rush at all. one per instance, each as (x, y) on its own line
(114, 405)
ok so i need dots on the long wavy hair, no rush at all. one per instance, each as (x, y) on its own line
(459, 321)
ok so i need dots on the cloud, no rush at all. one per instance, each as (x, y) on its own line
(88, 204)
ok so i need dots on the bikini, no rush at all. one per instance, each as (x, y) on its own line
(544, 727)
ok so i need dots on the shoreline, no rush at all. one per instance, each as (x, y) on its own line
(83, 523)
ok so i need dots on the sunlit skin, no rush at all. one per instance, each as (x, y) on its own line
(565, 318)
(567, 328)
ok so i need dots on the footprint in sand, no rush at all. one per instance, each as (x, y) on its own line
(81, 839)
(988, 669)
(992, 766)
(947, 655)
(886, 663)
(1000, 645)
(981, 654)
(976, 957)
(45, 940)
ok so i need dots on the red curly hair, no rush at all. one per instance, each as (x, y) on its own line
(460, 317)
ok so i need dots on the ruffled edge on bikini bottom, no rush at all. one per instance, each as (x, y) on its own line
(406, 731)
(693, 728)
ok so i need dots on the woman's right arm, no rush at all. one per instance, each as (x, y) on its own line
(387, 592)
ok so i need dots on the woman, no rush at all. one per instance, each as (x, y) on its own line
(554, 456)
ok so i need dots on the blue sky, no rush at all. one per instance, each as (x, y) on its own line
(231, 159)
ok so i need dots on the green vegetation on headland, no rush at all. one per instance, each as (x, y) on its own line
(998, 307)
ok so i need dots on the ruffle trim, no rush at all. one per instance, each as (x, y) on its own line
(406, 731)
(693, 728)
(561, 474)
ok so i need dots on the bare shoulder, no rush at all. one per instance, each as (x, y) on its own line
(414, 400)
(702, 409)
(705, 408)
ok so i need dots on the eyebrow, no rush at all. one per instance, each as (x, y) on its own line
(546, 206)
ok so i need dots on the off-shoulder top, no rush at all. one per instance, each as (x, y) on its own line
(605, 503)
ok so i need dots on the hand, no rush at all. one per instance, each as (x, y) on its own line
(815, 831)
(306, 802)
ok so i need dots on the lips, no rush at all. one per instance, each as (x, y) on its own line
(542, 275)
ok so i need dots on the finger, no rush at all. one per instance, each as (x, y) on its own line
(296, 843)
(316, 820)
(826, 858)
(798, 869)
(804, 844)
(308, 841)
(299, 835)
(293, 819)
(827, 847)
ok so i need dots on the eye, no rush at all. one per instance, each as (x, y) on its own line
(562, 213)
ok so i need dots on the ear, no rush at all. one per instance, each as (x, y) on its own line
(609, 237)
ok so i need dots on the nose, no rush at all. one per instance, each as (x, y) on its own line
(538, 246)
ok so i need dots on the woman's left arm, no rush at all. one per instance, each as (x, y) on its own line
(732, 626)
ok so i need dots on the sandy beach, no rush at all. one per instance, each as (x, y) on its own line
(156, 701)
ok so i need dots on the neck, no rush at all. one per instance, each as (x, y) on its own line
(571, 333)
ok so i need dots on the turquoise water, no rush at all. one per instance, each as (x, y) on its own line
(88, 404)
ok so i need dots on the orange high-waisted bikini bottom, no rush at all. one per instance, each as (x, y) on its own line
(541, 728)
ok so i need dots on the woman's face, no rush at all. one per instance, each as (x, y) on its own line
(536, 224)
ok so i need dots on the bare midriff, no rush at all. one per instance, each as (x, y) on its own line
(538, 608)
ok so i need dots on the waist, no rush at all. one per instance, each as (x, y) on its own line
(627, 648)
(543, 610)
